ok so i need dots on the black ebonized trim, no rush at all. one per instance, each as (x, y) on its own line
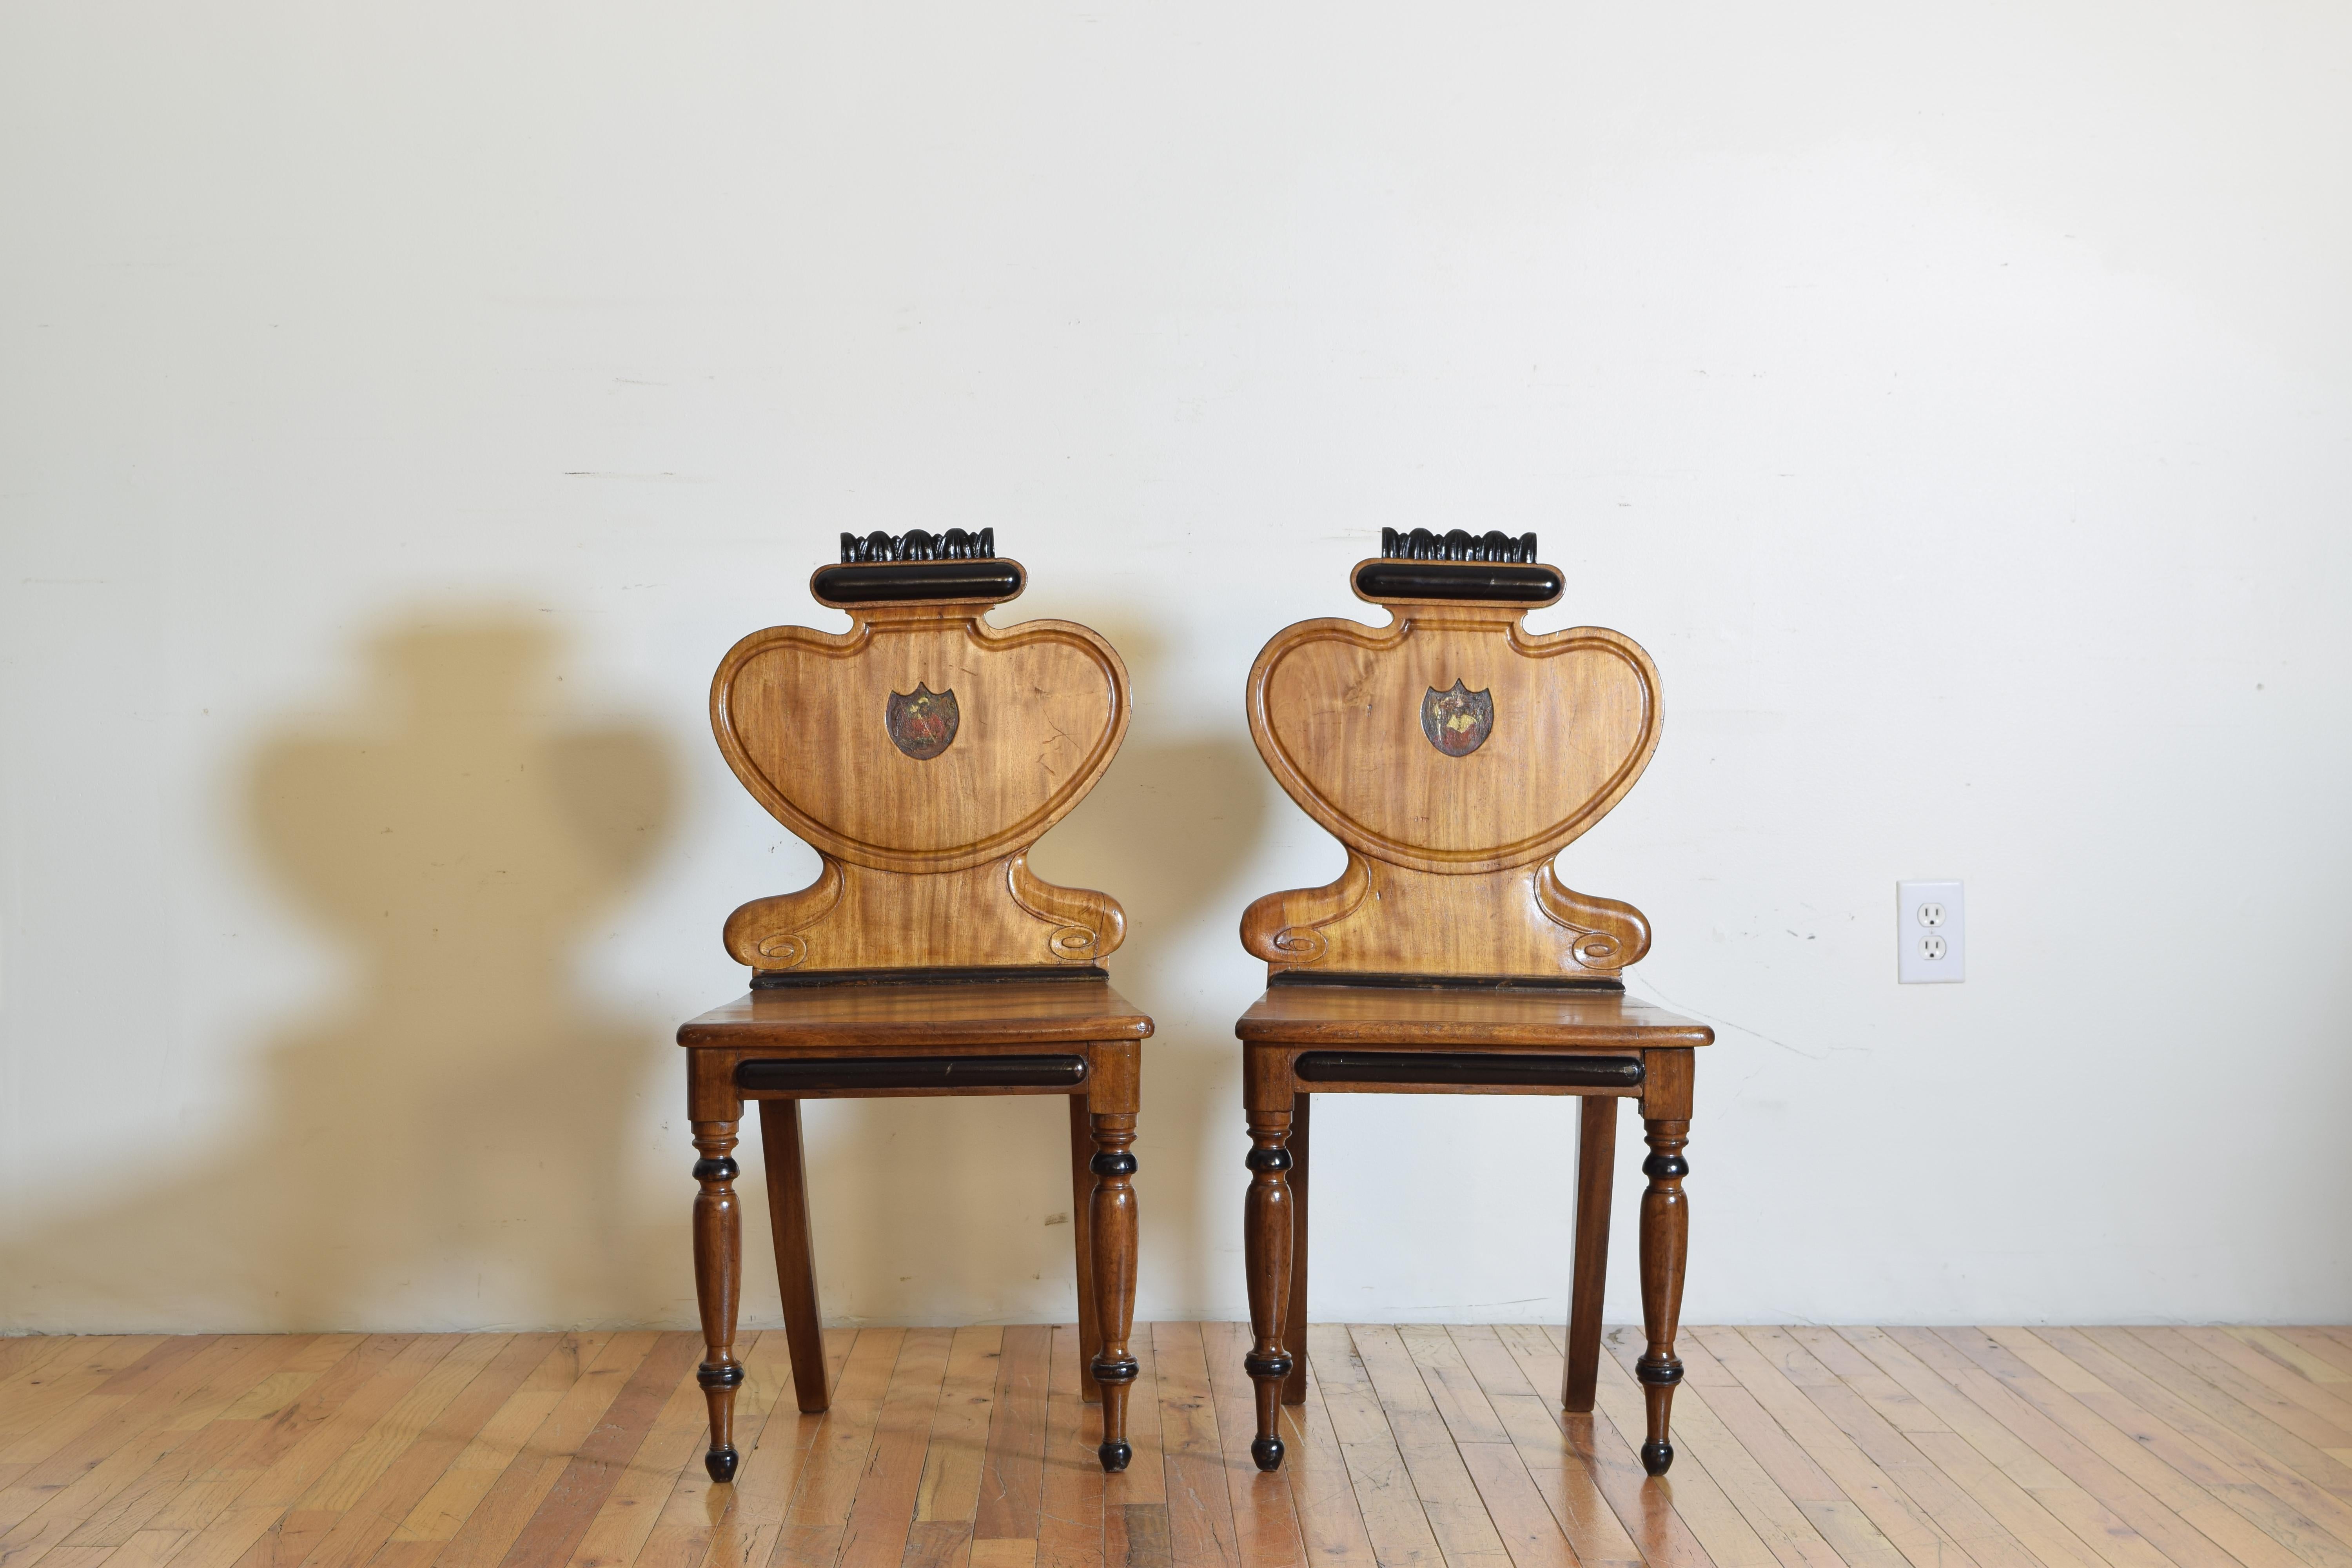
(1269, 1159)
(931, 580)
(1104, 1370)
(1106, 1163)
(1455, 544)
(914, 544)
(1662, 1374)
(1658, 1167)
(1458, 580)
(723, 1169)
(806, 1075)
(1446, 982)
(794, 979)
(1453, 1067)
(729, 1375)
(1266, 1366)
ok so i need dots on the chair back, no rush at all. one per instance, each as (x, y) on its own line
(1453, 755)
(921, 753)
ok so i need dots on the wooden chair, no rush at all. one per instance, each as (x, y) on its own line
(1454, 754)
(922, 754)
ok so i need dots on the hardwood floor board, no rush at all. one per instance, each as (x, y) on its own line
(1699, 1500)
(1012, 1475)
(23, 1353)
(2136, 1399)
(1775, 1519)
(2182, 1346)
(884, 1510)
(1135, 1535)
(1199, 1505)
(1322, 1497)
(2263, 1368)
(513, 1497)
(1584, 1516)
(1070, 1516)
(1394, 1524)
(950, 1485)
(1467, 1533)
(738, 1525)
(469, 1477)
(2169, 1466)
(1417, 1448)
(2282, 1446)
(45, 1407)
(1773, 1367)
(200, 1440)
(1265, 1514)
(2286, 1346)
(938, 1543)
(1145, 1479)
(369, 1522)
(2025, 1491)
(1608, 1456)
(61, 1495)
(835, 1462)
(616, 1536)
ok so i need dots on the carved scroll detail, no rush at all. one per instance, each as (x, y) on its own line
(1089, 924)
(1610, 935)
(1280, 928)
(760, 934)
(955, 545)
(1458, 544)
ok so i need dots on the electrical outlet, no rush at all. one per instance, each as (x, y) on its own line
(1930, 932)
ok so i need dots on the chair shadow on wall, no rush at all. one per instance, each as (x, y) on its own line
(1167, 831)
(443, 1139)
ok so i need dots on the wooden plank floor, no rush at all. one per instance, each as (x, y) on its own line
(1417, 1448)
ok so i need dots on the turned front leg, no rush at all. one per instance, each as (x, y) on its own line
(1111, 1219)
(718, 1277)
(1266, 1236)
(1666, 1231)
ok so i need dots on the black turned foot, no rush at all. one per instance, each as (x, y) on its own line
(720, 1463)
(1267, 1452)
(1657, 1458)
(1114, 1457)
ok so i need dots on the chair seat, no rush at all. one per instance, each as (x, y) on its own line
(920, 1016)
(1421, 1018)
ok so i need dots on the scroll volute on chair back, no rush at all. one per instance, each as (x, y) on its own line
(921, 752)
(1453, 755)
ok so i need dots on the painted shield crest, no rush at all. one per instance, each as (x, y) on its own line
(921, 725)
(1458, 721)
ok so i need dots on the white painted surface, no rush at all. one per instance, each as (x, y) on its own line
(401, 409)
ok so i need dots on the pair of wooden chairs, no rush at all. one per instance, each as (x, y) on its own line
(923, 752)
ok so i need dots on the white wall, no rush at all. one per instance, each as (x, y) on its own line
(405, 407)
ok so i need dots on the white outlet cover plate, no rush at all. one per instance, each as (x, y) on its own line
(1922, 911)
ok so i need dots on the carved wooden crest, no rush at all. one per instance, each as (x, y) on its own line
(1453, 755)
(921, 752)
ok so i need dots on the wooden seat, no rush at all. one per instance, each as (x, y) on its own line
(1454, 755)
(922, 754)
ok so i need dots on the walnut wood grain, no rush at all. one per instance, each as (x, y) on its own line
(788, 1220)
(850, 1020)
(1596, 1153)
(921, 753)
(922, 855)
(1453, 755)
(1448, 869)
